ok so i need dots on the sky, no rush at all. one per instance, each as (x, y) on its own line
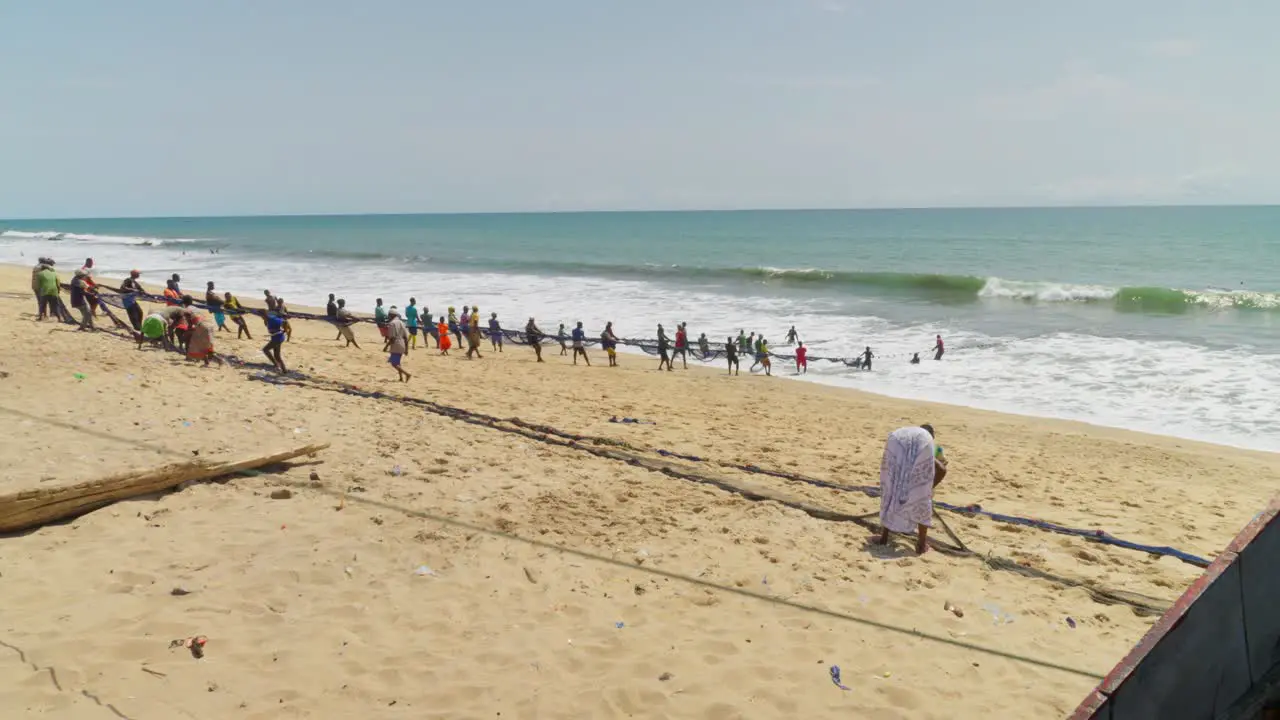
(155, 107)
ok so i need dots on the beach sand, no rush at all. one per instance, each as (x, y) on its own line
(558, 583)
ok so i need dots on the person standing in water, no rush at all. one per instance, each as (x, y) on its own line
(731, 354)
(793, 338)
(866, 358)
(915, 359)
(704, 347)
(533, 336)
(938, 349)
(802, 359)
(580, 344)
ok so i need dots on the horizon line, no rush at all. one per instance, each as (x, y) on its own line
(655, 211)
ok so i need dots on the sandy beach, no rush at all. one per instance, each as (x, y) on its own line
(446, 569)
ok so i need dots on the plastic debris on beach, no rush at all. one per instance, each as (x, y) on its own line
(835, 678)
(424, 571)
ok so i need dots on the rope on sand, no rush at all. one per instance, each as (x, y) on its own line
(1099, 536)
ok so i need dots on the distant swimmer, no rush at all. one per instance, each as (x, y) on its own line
(915, 359)
(533, 336)
(866, 358)
(938, 349)
(731, 355)
(855, 363)
(802, 358)
(580, 344)
(793, 338)
(609, 342)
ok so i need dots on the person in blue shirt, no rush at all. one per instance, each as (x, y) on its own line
(275, 329)
(411, 321)
(580, 344)
(495, 332)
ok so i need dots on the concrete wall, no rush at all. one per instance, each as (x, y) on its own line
(1213, 647)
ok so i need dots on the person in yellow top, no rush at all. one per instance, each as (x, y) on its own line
(232, 307)
(473, 332)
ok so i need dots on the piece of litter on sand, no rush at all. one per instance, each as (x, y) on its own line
(423, 570)
(1071, 623)
(665, 677)
(835, 677)
(179, 591)
(78, 376)
(619, 624)
(194, 643)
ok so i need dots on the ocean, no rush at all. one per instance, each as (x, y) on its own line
(1165, 320)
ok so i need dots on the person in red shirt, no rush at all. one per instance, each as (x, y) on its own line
(802, 358)
(682, 346)
(938, 349)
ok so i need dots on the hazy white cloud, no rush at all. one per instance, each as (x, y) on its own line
(1201, 185)
(834, 7)
(1171, 48)
(810, 82)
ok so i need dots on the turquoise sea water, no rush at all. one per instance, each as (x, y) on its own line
(1164, 319)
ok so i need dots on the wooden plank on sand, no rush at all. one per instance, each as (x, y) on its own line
(27, 509)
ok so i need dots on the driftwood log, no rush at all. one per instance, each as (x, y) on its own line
(32, 508)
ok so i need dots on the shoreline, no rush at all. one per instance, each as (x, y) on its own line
(598, 587)
(787, 373)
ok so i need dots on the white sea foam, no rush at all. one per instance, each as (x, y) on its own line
(1044, 292)
(1229, 396)
(46, 235)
